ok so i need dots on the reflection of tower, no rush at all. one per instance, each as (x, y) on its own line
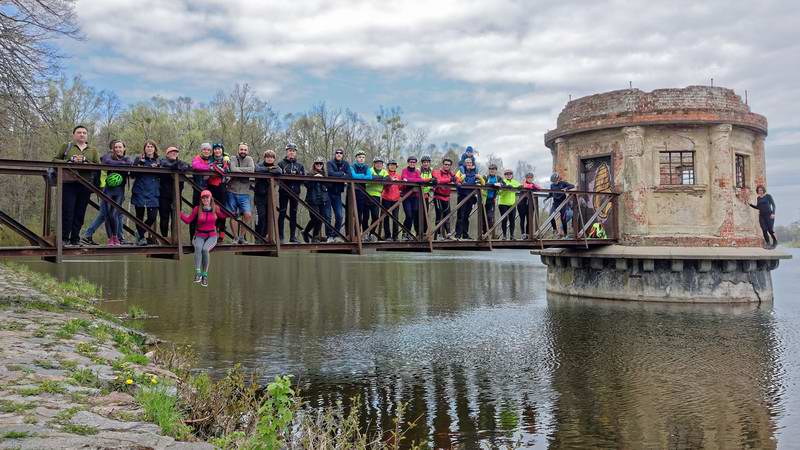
(662, 376)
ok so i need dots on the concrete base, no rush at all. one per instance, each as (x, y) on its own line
(663, 274)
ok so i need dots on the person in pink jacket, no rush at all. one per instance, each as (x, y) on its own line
(204, 216)
(411, 204)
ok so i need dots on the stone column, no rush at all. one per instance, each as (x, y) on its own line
(721, 180)
(561, 158)
(634, 185)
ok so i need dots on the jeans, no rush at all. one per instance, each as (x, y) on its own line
(314, 226)
(75, 199)
(338, 212)
(462, 224)
(99, 219)
(110, 215)
(285, 200)
(395, 225)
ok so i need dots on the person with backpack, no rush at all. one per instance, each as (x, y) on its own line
(113, 185)
(75, 196)
(239, 188)
(522, 208)
(441, 196)
(166, 198)
(374, 190)
(146, 191)
(337, 167)
(506, 199)
(317, 198)
(205, 216)
(389, 197)
(290, 166)
(267, 165)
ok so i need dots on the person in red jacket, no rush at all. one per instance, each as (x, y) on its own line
(441, 196)
(411, 204)
(204, 216)
(389, 197)
(219, 163)
(522, 207)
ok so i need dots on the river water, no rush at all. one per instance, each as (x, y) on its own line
(478, 350)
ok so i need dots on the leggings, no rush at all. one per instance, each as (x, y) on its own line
(151, 218)
(510, 219)
(442, 209)
(203, 245)
(766, 224)
(411, 208)
(395, 226)
(522, 211)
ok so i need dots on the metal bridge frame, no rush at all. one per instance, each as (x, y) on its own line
(49, 246)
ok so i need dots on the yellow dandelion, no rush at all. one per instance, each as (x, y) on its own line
(154, 380)
(128, 381)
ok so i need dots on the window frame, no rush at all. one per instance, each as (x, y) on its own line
(740, 171)
(680, 172)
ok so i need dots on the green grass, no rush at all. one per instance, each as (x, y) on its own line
(136, 312)
(71, 327)
(40, 332)
(86, 349)
(83, 430)
(68, 364)
(10, 406)
(45, 364)
(46, 386)
(85, 377)
(136, 358)
(12, 325)
(162, 409)
(16, 435)
(64, 416)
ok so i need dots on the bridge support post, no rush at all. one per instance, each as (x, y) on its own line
(59, 215)
(177, 238)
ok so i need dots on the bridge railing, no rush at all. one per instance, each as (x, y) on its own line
(585, 207)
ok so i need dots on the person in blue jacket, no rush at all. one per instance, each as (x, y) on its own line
(359, 170)
(115, 189)
(557, 184)
(146, 190)
(337, 168)
(469, 153)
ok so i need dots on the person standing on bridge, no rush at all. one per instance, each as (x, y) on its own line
(239, 188)
(146, 191)
(441, 197)
(505, 201)
(290, 166)
(113, 185)
(200, 163)
(529, 184)
(219, 163)
(374, 190)
(75, 196)
(317, 198)
(337, 168)
(389, 198)
(411, 204)
(766, 215)
(490, 198)
(359, 170)
(262, 189)
(205, 216)
(557, 184)
(467, 176)
(166, 198)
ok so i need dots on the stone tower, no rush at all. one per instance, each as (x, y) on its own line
(686, 162)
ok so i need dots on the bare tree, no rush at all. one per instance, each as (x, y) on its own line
(26, 60)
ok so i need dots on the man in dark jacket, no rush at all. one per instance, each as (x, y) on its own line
(75, 197)
(166, 192)
(267, 165)
(557, 184)
(290, 166)
(337, 168)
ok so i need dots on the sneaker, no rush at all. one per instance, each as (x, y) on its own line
(113, 241)
(293, 240)
(87, 240)
(524, 237)
(204, 281)
(330, 240)
(75, 243)
(141, 242)
(306, 237)
(338, 240)
(198, 278)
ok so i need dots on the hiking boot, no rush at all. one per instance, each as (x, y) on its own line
(306, 237)
(198, 278)
(87, 240)
(204, 281)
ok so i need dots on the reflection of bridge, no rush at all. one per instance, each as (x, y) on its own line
(589, 207)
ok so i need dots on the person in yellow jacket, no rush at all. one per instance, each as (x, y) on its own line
(375, 190)
(505, 201)
(426, 172)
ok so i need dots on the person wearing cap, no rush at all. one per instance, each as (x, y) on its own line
(290, 166)
(411, 203)
(374, 190)
(200, 163)
(166, 199)
(268, 166)
(426, 173)
(389, 197)
(359, 170)
(466, 176)
(75, 197)
(204, 216)
(557, 186)
(490, 196)
(146, 191)
(441, 196)
(219, 163)
(239, 188)
(337, 168)
(317, 198)
(506, 199)
(522, 208)
(469, 152)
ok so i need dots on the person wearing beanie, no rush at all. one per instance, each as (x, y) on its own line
(204, 216)
(219, 164)
(557, 185)
(506, 199)
(468, 176)
(200, 163)
(359, 170)
(441, 196)
(522, 208)
(266, 166)
(489, 197)
(469, 152)
(337, 167)
(290, 166)
(317, 198)
(374, 190)
(389, 198)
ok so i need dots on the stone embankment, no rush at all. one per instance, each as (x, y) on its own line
(68, 377)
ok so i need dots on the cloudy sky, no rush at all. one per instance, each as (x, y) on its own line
(491, 73)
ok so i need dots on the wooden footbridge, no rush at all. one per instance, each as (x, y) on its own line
(588, 208)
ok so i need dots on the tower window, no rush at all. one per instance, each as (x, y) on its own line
(676, 167)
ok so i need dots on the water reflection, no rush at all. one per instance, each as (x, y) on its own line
(474, 346)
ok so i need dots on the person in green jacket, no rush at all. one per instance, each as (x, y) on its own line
(506, 200)
(375, 190)
(75, 196)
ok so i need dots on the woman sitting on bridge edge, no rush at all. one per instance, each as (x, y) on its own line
(205, 217)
